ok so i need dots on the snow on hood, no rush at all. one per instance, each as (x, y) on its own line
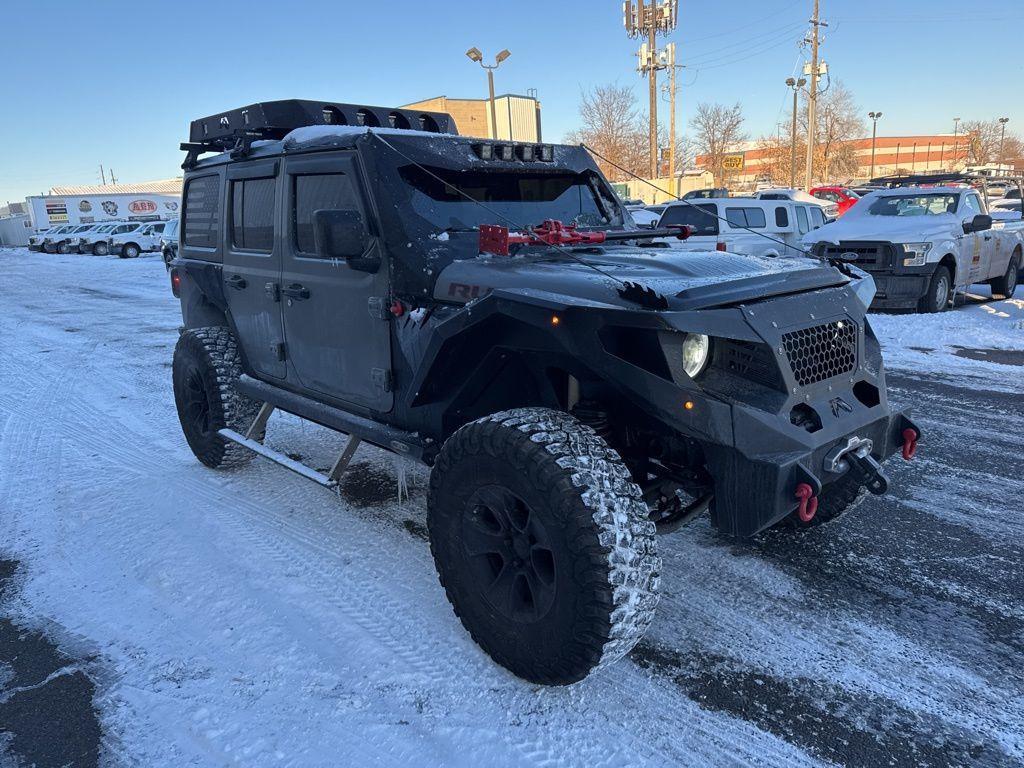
(858, 224)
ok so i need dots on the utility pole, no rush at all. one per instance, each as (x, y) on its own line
(874, 135)
(113, 180)
(812, 94)
(796, 85)
(474, 54)
(670, 61)
(103, 176)
(646, 20)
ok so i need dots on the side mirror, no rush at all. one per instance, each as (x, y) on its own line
(341, 234)
(979, 223)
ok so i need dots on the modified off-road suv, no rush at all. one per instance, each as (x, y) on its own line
(575, 386)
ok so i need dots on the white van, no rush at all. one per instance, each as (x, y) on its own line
(739, 225)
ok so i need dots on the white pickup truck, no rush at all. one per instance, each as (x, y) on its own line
(921, 244)
(129, 244)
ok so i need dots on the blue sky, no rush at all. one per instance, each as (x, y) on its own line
(116, 82)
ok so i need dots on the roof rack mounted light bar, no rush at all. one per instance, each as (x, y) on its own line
(236, 129)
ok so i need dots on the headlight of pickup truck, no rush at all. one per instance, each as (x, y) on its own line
(696, 351)
(915, 254)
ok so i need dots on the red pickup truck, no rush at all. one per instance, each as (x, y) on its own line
(844, 197)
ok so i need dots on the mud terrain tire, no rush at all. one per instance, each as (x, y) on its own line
(206, 366)
(542, 543)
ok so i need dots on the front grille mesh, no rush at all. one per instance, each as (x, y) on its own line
(821, 351)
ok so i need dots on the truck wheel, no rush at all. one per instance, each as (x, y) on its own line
(1003, 287)
(63, 249)
(936, 299)
(101, 249)
(206, 365)
(844, 495)
(129, 251)
(542, 543)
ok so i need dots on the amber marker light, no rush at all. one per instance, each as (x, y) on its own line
(555, 319)
(688, 405)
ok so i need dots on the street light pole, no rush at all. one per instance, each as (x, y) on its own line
(796, 85)
(474, 54)
(1002, 138)
(874, 135)
(956, 129)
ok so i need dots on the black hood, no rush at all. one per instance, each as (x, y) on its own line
(687, 279)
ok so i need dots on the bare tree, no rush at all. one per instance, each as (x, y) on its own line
(614, 127)
(839, 123)
(717, 131)
(984, 143)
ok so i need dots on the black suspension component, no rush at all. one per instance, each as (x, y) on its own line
(594, 416)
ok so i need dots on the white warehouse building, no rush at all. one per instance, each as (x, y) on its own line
(101, 202)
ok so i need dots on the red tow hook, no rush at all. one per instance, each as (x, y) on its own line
(808, 502)
(909, 443)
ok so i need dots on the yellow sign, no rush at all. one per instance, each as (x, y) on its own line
(732, 162)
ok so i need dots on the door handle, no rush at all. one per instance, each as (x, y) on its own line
(237, 282)
(296, 291)
(988, 237)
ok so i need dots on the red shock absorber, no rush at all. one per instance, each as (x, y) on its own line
(808, 502)
(909, 443)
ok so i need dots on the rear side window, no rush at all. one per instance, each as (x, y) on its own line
(252, 214)
(781, 217)
(202, 211)
(703, 217)
(751, 218)
(319, 192)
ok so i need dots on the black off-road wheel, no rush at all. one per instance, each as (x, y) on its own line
(936, 298)
(100, 249)
(543, 544)
(206, 367)
(1003, 287)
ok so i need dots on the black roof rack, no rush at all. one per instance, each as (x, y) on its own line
(235, 130)
(905, 180)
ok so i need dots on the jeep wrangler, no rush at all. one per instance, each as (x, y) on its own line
(576, 385)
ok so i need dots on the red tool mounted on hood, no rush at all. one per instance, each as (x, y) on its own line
(497, 240)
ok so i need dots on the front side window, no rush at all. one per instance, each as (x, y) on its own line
(703, 217)
(201, 211)
(972, 205)
(252, 214)
(319, 192)
(801, 220)
(749, 218)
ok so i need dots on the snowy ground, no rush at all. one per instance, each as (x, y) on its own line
(252, 618)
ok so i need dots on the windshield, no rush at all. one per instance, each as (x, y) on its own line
(524, 199)
(915, 205)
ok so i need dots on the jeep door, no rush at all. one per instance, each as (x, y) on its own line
(252, 264)
(335, 318)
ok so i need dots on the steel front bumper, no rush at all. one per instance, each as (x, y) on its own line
(753, 492)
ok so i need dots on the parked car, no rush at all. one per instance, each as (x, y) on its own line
(129, 243)
(844, 197)
(569, 409)
(169, 241)
(60, 240)
(642, 217)
(922, 244)
(738, 225)
(35, 242)
(831, 209)
(87, 240)
(706, 194)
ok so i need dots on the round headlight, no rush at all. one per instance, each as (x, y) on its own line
(695, 353)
